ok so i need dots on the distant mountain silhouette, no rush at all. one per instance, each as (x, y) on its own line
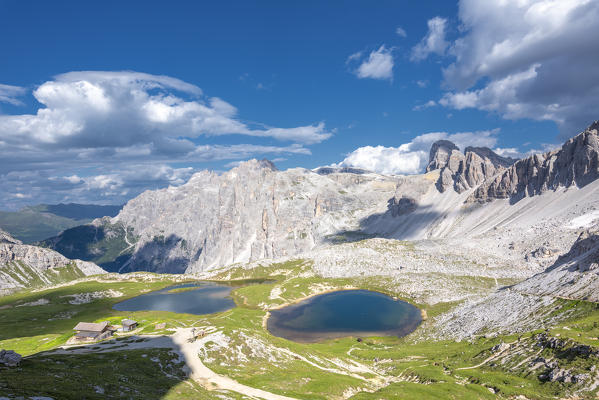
(34, 223)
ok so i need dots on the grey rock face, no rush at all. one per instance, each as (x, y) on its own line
(21, 265)
(446, 156)
(10, 358)
(464, 171)
(480, 163)
(446, 179)
(586, 245)
(249, 213)
(574, 274)
(440, 154)
(576, 163)
(6, 238)
(494, 158)
(408, 192)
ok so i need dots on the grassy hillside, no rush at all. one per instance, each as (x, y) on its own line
(35, 223)
(237, 345)
(27, 277)
(106, 245)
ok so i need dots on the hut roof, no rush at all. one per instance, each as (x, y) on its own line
(128, 322)
(91, 326)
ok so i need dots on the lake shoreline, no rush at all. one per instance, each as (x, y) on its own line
(416, 321)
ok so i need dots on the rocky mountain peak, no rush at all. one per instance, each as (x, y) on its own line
(249, 213)
(440, 154)
(576, 163)
(485, 152)
(256, 164)
(464, 171)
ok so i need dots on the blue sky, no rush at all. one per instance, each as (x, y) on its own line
(99, 101)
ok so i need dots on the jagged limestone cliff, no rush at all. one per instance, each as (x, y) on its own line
(249, 213)
(575, 164)
(464, 171)
(256, 212)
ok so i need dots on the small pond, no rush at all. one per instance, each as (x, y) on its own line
(192, 298)
(344, 313)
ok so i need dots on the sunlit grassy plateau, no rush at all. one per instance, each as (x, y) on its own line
(237, 345)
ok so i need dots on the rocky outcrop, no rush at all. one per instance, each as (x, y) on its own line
(464, 171)
(564, 349)
(530, 304)
(574, 275)
(10, 358)
(575, 164)
(249, 213)
(6, 238)
(409, 191)
(23, 266)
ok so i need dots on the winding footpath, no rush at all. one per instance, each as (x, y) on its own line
(179, 342)
(492, 357)
(204, 375)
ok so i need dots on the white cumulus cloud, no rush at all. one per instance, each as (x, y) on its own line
(106, 136)
(99, 108)
(532, 59)
(378, 64)
(433, 42)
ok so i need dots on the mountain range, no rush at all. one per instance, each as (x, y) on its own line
(495, 252)
(256, 212)
(33, 223)
(472, 214)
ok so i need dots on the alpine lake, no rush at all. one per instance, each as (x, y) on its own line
(358, 313)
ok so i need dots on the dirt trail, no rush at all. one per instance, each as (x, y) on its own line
(494, 356)
(189, 350)
(202, 374)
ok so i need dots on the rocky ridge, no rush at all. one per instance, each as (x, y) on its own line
(526, 305)
(575, 275)
(576, 163)
(249, 213)
(432, 244)
(10, 358)
(256, 212)
(24, 266)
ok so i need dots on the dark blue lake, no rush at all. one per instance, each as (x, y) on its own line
(344, 313)
(201, 298)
